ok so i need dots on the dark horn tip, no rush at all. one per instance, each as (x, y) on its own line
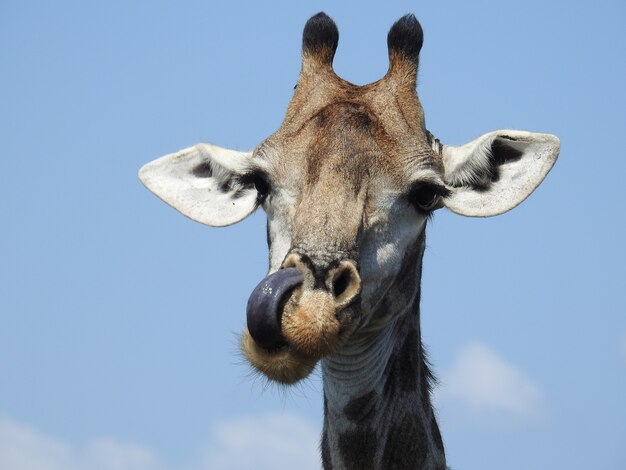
(406, 37)
(320, 35)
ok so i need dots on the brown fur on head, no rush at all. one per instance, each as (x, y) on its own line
(337, 140)
(347, 182)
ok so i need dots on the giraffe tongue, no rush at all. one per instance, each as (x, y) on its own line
(263, 310)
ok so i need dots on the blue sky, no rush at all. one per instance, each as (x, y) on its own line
(119, 317)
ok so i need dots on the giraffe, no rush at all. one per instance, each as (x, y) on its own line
(348, 183)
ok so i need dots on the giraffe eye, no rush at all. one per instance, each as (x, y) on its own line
(427, 197)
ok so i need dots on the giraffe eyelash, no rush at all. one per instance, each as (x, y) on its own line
(426, 196)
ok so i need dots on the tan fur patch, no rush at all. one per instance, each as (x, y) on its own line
(310, 326)
(285, 365)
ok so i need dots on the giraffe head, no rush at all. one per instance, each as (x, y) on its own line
(348, 183)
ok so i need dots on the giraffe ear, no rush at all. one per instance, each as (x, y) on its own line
(496, 172)
(209, 184)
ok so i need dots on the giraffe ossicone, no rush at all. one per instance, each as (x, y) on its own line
(348, 182)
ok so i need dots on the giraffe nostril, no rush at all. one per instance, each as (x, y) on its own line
(340, 283)
(345, 283)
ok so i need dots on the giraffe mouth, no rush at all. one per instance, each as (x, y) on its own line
(291, 328)
(284, 365)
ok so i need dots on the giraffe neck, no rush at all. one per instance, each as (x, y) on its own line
(377, 409)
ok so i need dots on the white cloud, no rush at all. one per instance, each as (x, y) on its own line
(24, 448)
(482, 384)
(271, 441)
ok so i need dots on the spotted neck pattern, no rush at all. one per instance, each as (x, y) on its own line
(377, 408)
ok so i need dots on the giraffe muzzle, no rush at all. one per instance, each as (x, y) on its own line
(294, 319)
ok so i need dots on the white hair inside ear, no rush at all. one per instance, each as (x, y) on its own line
(497, 171)
(205, 182)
